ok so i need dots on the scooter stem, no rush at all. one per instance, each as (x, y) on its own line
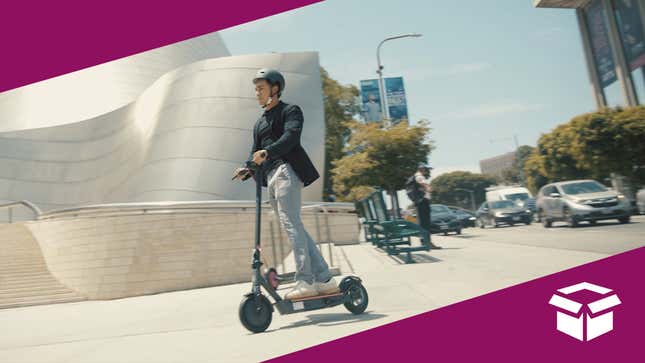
(258, 215)
(258, 206)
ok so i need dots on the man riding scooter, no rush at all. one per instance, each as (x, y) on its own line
(288, 169)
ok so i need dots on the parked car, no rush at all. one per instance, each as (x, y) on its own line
(466, 217)
(580, 200)
(517, 194)
(640, 201)
(443, 220)
(502, 212)
(514, 193)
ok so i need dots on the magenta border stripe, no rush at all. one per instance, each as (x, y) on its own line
(41, 40)
(515, 324)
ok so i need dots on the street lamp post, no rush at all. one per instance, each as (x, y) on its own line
(382, 92)
(472, 196)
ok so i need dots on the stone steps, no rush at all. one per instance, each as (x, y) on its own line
(24, 277)
(44, 300)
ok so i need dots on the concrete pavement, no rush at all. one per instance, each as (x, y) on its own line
(202, 326)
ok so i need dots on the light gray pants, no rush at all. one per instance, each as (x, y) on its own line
(285, 196)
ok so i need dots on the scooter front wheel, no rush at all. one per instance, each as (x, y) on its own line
(356, 298)
(256, 313)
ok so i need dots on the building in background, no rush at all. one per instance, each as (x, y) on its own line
(93, 91)
(166, 125)
(497, 164)
(613, 40)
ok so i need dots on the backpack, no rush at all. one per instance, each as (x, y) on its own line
(412, 189)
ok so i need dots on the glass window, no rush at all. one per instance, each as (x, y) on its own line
(547, 191)
(583, 187)
(440, 209)
(517, 196)
(500, 204)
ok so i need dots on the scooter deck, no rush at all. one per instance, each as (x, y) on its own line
(316, 297)
(309, 303)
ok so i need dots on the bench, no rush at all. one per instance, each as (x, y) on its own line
(390, 234)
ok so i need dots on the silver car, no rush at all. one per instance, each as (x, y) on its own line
(580, 200)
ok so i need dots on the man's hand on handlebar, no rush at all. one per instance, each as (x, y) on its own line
(242, 174)
(260, 156)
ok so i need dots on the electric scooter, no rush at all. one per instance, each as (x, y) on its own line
(256, 310)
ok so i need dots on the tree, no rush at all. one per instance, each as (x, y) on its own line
(516, 174)
(340, 107)
(380, 157)
(592, 145)
(535, 172)
(611, 141)
(553, 160)
(446, 188)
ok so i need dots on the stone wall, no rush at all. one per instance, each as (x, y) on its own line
(113, 256)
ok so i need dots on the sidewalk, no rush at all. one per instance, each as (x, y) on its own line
(202, 325)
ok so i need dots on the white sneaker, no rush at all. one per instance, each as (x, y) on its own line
(329, 287)
(300, 291)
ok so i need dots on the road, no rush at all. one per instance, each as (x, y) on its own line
(607, 237)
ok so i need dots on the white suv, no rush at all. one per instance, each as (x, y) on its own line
(580, 200)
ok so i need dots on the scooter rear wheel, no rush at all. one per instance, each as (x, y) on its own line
(256, 316)
(356, 298)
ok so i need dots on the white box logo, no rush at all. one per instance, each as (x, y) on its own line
(585, 320)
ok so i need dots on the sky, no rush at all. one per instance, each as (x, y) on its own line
(483, 72)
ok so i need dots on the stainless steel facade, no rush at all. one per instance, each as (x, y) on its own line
(178, 140)
(93, 91)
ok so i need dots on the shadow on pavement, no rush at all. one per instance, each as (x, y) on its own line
(332, 319)
(417, 258)
(583, 225)
(465, 236)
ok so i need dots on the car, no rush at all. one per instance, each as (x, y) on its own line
(443, 220)
(517, 194)
(576, 201)
(502, 212)
(466, 217)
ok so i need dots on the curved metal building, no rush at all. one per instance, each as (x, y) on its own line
(100, 89)
(179, 139)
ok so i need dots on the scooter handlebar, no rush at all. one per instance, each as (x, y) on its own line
(245, 173)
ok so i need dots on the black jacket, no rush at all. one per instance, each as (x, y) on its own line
(286, 127)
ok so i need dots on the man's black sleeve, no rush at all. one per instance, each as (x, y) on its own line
(255, 146)
(293, 120)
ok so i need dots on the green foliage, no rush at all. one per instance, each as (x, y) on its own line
(340, 106)
(445, 188)
(380, 157)
(592, 146)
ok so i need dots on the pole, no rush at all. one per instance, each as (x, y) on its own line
(382, 92)
(641, 10)
(622, 69)
(381, 87)
(472, 199)
(521, 171)
(598, 91)
(517, 145)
